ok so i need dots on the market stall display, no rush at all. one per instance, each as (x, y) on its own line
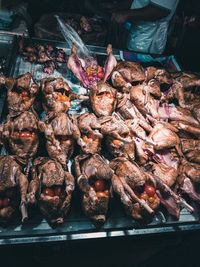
(44, 54)
(147, 155)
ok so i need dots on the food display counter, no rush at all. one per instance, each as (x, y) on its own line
(77, 226)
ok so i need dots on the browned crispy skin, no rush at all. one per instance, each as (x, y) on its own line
(21, 93)
(52, 187)
(13, 189)
(90, 169)
(14, 131)
(103, 99)
(128, 182)
(128, 72)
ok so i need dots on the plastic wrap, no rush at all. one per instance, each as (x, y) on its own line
(148, 38)
(72, 37)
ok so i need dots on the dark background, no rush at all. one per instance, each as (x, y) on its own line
(174, 250)
(183, 41)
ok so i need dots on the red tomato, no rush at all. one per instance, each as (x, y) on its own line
(109, 95)
(150, 190)
(49, 192)
(107, 192)
(1, 203)
(101, 194)
(144, 196)
(90, 136)
(25, 134)
(100, 74)
(151, 199)
(64, 137)
(16, 134)
(99, 185)
(57, 190)
(64, 98)
(24, 93)
(94, 74)
(6, 202)
(11, 193)
(90, 77)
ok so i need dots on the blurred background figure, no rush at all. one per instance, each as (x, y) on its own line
(117, 33)
(139, 25)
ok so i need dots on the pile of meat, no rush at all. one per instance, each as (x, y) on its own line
(139, 142)
(47, 55)
(85, 24)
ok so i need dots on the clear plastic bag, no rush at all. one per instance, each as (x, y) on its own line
(72, 37)
(148, 37)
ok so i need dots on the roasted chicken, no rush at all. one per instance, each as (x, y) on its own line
(51, 187)
(94, 176)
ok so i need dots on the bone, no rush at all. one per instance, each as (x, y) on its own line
(74, 64)
(187, 127)
(170, 204)
(24, 212)
(177, 198)
(110, 64)
(135, 198)
(176, 114)
(188, 188)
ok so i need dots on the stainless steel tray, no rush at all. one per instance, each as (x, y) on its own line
(6, 44)
(76, 225)
(6, 48)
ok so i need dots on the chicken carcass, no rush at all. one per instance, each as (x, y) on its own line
(187, 79)
(60, 134)
(127, 110)
(57, 96)
(135, 190)
(94, 176)
(118, 138)
(188, 180)
(21, 93)
(103, 99)
(176, 91)
(89, 128)
(38, 53)
(21, 136)
(164, 136)
(13, 189)
(143, 97)
(87, 70)
(51, 186)
(176, 113)
(127, 73)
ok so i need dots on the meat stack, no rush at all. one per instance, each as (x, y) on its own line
(137, 142)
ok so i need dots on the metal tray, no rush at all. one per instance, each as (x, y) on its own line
(77, 225)
(6, 48)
